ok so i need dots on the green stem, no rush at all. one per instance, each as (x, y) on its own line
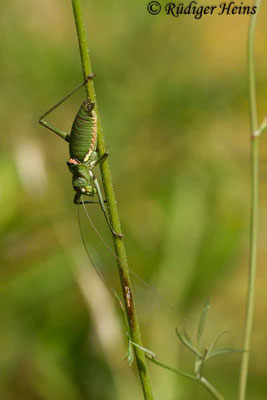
(211, 389)
(126, 285)
(254, 209)
(176, 371)
(207, 385)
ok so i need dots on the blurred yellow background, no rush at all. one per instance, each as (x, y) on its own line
(173, 100)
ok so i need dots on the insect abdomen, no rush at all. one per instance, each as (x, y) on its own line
(83, 137)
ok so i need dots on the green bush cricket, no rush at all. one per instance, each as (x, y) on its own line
(83, 152)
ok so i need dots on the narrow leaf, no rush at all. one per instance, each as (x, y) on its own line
(215, 341)
(202, 320)
(222, 351)
(186, 341)
(129, 355)
(187, 337)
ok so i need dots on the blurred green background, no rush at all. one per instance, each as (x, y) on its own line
(173, 100)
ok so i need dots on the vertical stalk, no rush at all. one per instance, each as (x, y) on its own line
(133, 325)
(254, 208)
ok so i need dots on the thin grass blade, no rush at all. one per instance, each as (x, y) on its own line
(202, 321)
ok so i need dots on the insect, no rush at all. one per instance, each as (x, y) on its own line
(83, 159)
(83, 152)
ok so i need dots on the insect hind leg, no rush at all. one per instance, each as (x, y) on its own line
(59, 132)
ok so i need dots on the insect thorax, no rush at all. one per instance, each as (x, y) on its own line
(82, 181)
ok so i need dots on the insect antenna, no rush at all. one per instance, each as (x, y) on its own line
(111, 290)
(144, 283)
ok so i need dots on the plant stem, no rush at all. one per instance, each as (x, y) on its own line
(254, 208)
(133, 325)
(176, 371)
(211, 389)
(207, 385)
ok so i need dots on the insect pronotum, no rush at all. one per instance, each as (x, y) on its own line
(83, 151)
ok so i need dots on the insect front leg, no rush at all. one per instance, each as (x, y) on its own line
(102, 158)
(77, 200)
(102, 205)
